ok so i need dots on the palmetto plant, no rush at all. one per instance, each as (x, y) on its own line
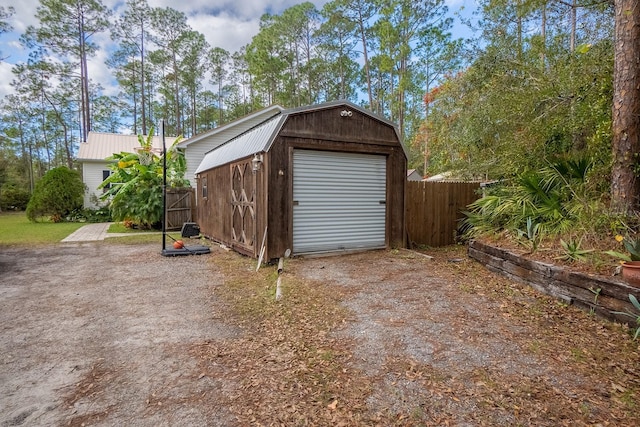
(552, 197)
(135, 186)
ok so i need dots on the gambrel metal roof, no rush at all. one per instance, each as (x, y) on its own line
(232, 129)
(251, 142)
(261, 137)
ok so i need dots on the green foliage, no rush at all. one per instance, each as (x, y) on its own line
(596, 294)
(632, 247)
(13, 198)
(531, 236)
(573, 252)
(635, 316)
(555, 197)
(58, 193)
(524, 99)
(90, 215)
(135, 186)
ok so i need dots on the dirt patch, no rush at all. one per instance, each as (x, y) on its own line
(99, 334)
(110, 334)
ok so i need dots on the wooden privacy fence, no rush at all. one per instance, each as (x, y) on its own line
(433, 210)
(180, 207)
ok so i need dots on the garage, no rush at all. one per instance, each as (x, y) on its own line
(339, 201)
(326, 178)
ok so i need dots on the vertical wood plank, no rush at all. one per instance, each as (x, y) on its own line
(434, 209)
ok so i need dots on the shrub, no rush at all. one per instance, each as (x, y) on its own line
(14, 199)
(557, 197)
(58, 193)
(90, 215)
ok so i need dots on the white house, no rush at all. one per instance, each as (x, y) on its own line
(197, 146)
(95, 168)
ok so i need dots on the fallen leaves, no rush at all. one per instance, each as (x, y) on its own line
(293, 364)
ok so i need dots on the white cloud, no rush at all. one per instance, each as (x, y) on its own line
(229, 33)
(229, 24)
(5, 71)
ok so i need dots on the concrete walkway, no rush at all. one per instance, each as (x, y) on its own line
(92, 232)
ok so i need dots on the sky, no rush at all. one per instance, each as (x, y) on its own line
(229, 24)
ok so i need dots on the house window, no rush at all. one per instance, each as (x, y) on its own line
(105, 175)
(205, 191)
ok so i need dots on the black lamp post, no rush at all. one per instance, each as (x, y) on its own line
(164, 189)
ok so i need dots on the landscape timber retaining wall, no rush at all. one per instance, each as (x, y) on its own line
(572, 287)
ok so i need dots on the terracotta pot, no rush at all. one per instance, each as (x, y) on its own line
(631, 273)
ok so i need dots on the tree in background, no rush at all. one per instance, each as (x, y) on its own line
(66, 29)
(525, 100)
(5, 13)
(58, 193)
(404, 29)
(218, 63)
(132, 31)
(625, 184)
(171, 34)
(193, 65)
(337, 47)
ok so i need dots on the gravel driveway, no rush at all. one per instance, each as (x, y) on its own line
(97, 331)
(112, 334)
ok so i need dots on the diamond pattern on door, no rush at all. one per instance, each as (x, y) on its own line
(243, 223)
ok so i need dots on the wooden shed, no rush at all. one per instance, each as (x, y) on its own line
(317, 179)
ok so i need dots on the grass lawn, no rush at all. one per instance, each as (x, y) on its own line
(118, 227)
(16, 229)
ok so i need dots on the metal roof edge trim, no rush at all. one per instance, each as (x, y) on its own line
(276, 131)
(277, 108)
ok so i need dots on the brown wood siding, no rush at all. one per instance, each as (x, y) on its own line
(279, 195)
(316, 130)
(396, 180)
(434, 209)
(329, 125)
(216, 212)
(327, 130)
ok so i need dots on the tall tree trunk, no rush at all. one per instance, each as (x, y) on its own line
(625, 186)
(176, 88)
(519, 29)
(84, 78)
(363, 35)
(574, 19)
(543, 35)
(142, 82)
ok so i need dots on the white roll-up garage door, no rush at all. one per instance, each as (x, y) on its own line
(338, 201)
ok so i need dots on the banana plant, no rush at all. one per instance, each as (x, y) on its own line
(134, 187)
